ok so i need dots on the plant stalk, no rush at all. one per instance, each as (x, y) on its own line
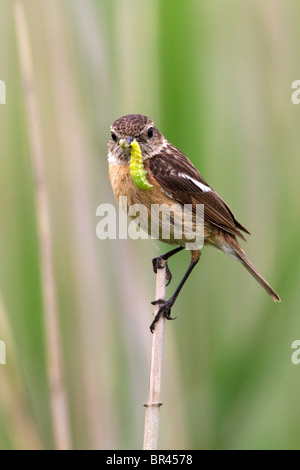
(153, 404)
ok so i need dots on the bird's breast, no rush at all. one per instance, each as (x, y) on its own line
(158, 212)
(123, 185)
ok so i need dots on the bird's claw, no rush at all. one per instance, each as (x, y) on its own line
(164, 309)
(157, 264)
(168, 275)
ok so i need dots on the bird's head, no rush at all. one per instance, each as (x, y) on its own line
(132, 127)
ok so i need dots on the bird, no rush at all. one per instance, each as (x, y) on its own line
(146, 169)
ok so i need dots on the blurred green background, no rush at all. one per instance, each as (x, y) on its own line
(216, 79)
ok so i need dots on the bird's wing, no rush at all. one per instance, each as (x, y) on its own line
(178, 177)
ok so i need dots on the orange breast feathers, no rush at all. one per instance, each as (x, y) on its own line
(123, 185)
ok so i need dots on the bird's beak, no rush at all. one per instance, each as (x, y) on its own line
(125, 143)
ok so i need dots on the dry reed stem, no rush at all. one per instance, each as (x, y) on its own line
(59, 408)
(153, 405)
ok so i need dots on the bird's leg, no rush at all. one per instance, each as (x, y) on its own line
(165, 257)
(166, 305)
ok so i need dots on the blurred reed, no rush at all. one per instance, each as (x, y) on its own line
(58, 399)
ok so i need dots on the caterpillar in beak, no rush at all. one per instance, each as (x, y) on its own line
(138, 174)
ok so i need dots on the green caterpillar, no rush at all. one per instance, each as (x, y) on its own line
(138, 174)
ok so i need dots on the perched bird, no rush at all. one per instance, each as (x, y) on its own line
(149, 170)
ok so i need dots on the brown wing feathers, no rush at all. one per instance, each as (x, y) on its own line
(179, 178)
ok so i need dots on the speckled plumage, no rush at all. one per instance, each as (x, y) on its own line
(131, 125)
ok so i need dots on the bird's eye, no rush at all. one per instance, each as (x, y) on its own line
(150, 132)
(114, 137)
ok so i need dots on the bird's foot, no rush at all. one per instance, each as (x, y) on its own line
(157, 264)
(164, 309)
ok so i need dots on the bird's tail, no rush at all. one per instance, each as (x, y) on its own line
(241, 256)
